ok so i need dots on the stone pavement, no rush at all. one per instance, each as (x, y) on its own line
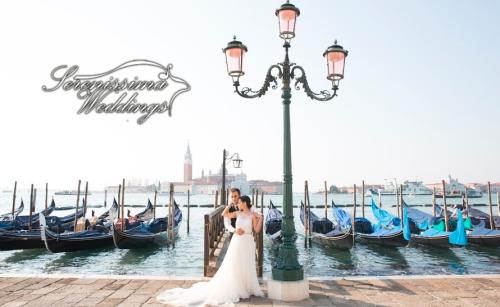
(51, 290)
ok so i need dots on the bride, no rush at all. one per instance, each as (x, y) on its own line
(237, 276)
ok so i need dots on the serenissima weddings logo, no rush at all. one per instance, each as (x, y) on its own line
(118, 90)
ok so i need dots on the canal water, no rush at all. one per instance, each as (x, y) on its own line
(186, 259)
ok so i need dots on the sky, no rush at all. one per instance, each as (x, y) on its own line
(419, 99)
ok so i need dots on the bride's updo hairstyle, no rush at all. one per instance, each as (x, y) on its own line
(245, 199)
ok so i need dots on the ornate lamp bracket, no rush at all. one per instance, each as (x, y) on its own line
(324, 95)
(270, 81)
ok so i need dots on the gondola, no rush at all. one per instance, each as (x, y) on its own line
(274, 218)
(423, 230)
(97, 236)
(387, 231)
(324, 232)
(477, 216)
(145, 234)
(20, 239)
(481, 233)
(146, 214)
(28, 239)
(484, 237)
(7, 217)
(23, 221)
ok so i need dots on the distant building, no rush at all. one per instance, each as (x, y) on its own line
(206, 184)
(211, 183)
(188, 166)
(350, 189)
(133, 189)
(495, 187)
(478, 186)
(268, 187)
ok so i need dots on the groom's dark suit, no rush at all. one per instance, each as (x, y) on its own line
(233, 208)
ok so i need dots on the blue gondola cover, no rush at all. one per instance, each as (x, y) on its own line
(459, 236)
(406, 224)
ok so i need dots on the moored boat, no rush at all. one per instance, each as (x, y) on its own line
(428, 230)
(20, 239)
(145, 234)
(7, 217)
(387, 231)
(324, 232)
(484, 237)
(22, 222)
(31, 238)
(97, 236)
(274, 219)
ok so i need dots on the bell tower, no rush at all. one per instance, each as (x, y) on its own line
(188, 166)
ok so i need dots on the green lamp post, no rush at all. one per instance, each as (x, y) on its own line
(287, 267)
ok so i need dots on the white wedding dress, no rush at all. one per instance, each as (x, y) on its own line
(235, 279)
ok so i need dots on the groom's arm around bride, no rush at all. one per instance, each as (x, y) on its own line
(230, 224)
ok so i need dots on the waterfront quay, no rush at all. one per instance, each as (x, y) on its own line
(74, 290)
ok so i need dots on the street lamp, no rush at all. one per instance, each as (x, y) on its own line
(236, 164)
(287, 267)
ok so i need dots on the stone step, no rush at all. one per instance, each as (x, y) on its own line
(217, 251)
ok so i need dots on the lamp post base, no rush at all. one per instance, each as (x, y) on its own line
(288, 291)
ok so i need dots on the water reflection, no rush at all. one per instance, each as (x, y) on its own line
(76, 259)
(444, 258)
(388, 256)
(138, 256)
(493, 253)
(25, 255)
(338, 259)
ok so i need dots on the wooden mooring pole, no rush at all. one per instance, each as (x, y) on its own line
(400, 201)
(397, 200)
(490, 205)
(256, 199)
(498, 202)
(434, 201)
(206, 244)
(308, 217)
(46, 194)
(260, 251)
(34, 200)
(154, 203)
(363, 198)
(257, 238)
(466, 199)
(31, 206)
(85, 200)
(123, 205)
(77, 205)
(119, 200)
(445, 206)
(171, 216)
(305, 214)
(14, 199)
(354, 215)
(105, 198)
(262, 203)
(326, 201)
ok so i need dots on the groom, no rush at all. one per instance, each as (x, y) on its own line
(230, 224)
